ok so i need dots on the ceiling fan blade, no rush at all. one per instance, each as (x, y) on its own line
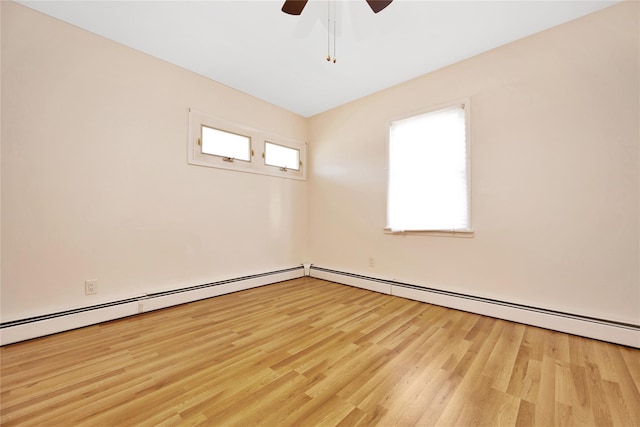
(294, 7)
(378, 5)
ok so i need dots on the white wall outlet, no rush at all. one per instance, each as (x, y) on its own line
(372, 262)
(91, 287)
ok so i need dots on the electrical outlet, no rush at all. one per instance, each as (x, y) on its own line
(91, 287)
(372, 262)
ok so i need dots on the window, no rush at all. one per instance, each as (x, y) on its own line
(428, 187)
(281, 156)
(225, 144)
(219, 143)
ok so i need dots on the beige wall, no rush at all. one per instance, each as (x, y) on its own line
(555, 159)
(95, 181)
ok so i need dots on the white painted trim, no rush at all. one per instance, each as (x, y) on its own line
(54, 325)
(307, 268)
(39, 328)
(600, 330)
(383, 288)
(590, 328)
(170, 300)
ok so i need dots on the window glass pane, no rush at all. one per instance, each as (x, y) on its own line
(225, 144)
(281, 156)
(428, 172)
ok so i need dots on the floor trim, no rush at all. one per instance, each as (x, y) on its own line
(590, 327)
(38, 326)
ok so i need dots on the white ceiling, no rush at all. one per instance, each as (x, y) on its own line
(254, 47)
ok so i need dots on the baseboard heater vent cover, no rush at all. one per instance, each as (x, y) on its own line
(38, 326)
(590, 327)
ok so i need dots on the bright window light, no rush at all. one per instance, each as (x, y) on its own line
(219, 143)
(225, 144)
(281, 156)
(428, 172)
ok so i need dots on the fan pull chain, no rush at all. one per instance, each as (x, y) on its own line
(329, 58)
(328, 30)
(334, 31)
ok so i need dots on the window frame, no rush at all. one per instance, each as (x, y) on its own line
(467, 232)
(258, 139)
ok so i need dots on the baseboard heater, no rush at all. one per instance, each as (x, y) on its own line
(590, 327)
(38, 326)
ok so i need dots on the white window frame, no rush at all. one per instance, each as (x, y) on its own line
(467, 232)
(258, 139)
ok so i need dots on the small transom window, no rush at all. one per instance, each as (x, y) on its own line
(219, 143)
(281, 156)
(225, 144)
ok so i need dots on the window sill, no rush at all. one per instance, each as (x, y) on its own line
(441, 233)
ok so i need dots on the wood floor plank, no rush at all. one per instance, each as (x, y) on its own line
(311, 352)
(526, 414)
(511, 340)
(626, 383)
(621, 410)
(470, 399)
(545, 401)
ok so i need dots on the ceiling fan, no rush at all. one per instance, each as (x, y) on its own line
(294, 7)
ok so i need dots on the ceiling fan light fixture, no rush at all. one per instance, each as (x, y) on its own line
(378, 5)
(295, 7)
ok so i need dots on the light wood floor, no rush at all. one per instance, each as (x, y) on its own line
(308, 352)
